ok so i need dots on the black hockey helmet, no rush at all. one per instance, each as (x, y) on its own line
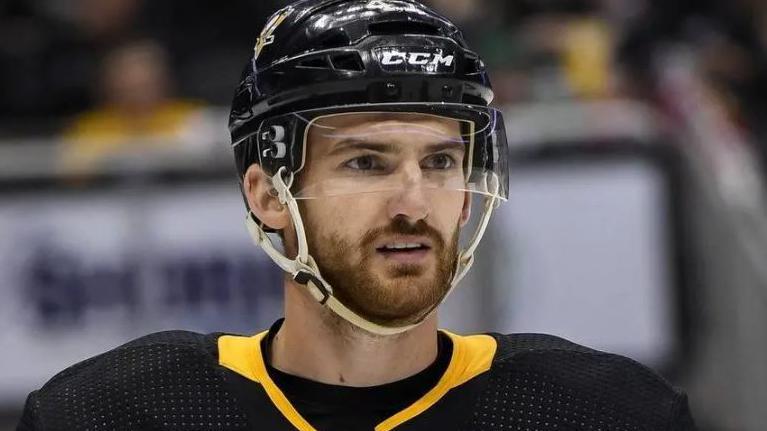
(315, 57)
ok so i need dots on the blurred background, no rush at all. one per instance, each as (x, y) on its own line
(636, 222)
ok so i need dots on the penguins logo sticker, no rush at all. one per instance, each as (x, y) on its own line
(267, 34)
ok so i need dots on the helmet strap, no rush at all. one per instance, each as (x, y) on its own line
(304, 270)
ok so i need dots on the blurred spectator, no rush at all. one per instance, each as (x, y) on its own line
(208, 41)
(50, 51)
(107, 20)
(539, 49)
(137, 113)
(48, 60)
(587, 56)
(726, 41)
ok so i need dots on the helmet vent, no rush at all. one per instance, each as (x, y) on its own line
(348, 61)
(314, 63)
(474, 65)
(335, 38)
(402, 27)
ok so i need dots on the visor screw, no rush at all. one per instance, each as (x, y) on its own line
(391, 89)
(447, 91)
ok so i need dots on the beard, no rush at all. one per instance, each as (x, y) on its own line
(405, 293)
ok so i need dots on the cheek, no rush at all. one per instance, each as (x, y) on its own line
(447, 210)
(346, 218)
(349, 218)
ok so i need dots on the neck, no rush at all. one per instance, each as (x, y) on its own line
(316, 344)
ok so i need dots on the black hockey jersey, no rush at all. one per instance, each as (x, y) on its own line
(181, 380)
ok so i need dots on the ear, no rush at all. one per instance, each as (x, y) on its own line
(466, 211)
(262, 199)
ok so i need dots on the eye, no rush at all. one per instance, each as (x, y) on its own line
(364, 163)
(439, 161)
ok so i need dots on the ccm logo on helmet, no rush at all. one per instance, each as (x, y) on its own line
(417, 60)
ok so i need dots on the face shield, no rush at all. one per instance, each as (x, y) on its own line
(388, 149)
(356, 151)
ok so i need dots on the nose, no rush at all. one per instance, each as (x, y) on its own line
(410, 200)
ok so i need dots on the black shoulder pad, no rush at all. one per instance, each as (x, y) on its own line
(551, 383)
(509, 345)
(166, 380)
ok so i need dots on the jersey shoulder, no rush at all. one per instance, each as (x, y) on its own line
(579, 383)
(166, 376)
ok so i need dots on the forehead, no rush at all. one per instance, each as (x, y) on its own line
(392, 128)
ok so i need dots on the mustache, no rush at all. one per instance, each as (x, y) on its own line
(401, 226)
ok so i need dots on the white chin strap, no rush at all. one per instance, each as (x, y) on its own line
(304, 269)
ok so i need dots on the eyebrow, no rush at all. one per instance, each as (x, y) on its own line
(382, 147)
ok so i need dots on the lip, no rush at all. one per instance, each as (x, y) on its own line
(404, 239)
(405, 257)
(412, 257)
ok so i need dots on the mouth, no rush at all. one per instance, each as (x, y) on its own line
(405, 250)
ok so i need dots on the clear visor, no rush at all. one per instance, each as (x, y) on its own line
(434, 147)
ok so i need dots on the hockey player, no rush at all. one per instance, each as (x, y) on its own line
(363, 137)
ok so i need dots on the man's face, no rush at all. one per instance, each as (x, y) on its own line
(375, 183)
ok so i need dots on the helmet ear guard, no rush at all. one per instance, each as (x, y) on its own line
(279, 142)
